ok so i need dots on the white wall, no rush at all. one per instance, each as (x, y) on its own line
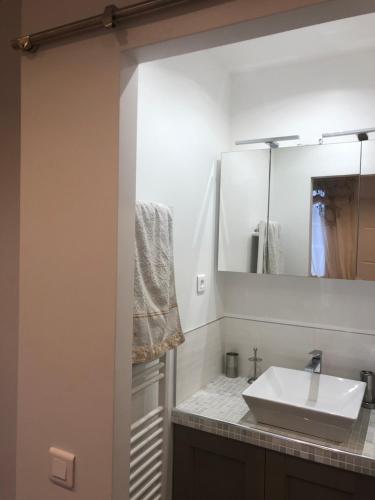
(340, 304)
(183, 125)
(306, 98)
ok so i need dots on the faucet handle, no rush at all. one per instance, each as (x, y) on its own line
(316, 353)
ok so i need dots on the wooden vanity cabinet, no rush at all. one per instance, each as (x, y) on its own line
(208, 467)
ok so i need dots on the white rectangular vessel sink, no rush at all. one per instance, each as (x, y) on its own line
(315, 404)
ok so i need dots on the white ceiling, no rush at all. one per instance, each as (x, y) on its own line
(322, 40)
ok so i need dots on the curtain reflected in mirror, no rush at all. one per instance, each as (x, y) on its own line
(366, 233)
(334, 227)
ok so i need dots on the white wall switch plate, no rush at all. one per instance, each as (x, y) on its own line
(201, 283)
(62, 465)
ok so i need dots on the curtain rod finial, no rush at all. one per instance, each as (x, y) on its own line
(23, 43)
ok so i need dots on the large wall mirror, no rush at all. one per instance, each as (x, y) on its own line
(302, 211)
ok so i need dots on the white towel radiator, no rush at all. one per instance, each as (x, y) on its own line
(149, 433)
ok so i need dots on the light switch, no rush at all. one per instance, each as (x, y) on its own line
(62, 464)
(201, 283)
(58, 468)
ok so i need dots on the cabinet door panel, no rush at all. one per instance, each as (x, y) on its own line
(207, 467)
(290, 478)
(297, 489)
(218, 475)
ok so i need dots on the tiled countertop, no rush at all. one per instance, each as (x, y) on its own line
(220, 409)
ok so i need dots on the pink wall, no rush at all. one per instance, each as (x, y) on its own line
(9, 244)
(70, 114)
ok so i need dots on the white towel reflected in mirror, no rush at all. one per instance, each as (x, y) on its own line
(270, 253)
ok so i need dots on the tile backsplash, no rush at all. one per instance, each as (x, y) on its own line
(345, 354)
(200, 359)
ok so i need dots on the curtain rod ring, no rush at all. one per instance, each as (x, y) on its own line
(109, 16)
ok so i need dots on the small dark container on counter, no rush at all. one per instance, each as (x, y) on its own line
(231, 364)
(369, 397)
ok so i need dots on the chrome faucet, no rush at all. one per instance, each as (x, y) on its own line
(315, 365)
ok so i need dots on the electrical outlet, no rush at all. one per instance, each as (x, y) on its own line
(201, 284)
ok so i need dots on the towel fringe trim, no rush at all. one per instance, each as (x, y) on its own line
(145, 354)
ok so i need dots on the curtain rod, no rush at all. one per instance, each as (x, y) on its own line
(109, 19)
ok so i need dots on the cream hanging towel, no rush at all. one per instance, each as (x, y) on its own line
(156, 322)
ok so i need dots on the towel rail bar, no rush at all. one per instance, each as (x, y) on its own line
(152, 381)
(144, 419)
(145, 477)
(144, 431)
(144, 466)
(144, 454)
(146, 441)
(147, 370)
(152, 493)
(143, 378)
(148, 485)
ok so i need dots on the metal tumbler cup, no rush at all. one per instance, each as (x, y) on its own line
(369, 397)
(231, 364)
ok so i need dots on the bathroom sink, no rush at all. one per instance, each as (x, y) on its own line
(319, 405)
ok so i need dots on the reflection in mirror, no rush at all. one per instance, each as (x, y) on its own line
(334, 227)
(300, 243)
(319, 204)
(243, 210)
(366, 232)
